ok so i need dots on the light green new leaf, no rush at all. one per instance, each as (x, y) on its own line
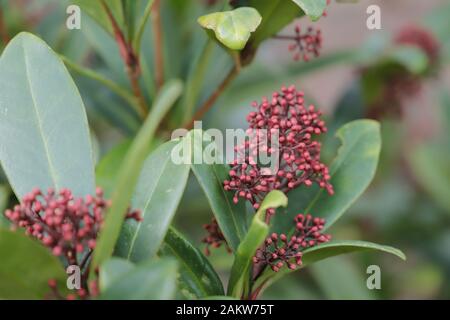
(44, 134)
(312, 8)
(130, 170)
(197, 276)
(231, 217)
(232, 28)
(158, 193)
(240, 273)
(26, 266)
(351, 171)
(149, 280)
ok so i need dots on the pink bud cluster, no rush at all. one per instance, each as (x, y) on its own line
(305, 44)
(421, 38)
(280, 250)
(295, 124)
(65, 224)
(214, 238)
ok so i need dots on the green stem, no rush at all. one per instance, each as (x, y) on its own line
(141, 28)
(105, 81)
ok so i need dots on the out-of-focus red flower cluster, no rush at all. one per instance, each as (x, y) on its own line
(214, 238)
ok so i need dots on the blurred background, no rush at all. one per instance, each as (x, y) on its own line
(360, 73)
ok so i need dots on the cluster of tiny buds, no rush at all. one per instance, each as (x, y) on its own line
(66, 224)
(280, 250)
(304, 44)
(298, 155)
(214, 238)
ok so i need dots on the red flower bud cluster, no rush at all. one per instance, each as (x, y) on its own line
(304, 44)
(65, 224)
(298, 155)
(421, 38)
(280, 250)
(214, 238)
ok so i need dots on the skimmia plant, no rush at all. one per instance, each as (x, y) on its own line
(113, 219)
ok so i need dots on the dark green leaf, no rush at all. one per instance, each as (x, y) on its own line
(197, 276)
(351, 171)
(149, 280)
(328, 250)
(44, 132)
(130, 171)
(158, 192)
(230, 216)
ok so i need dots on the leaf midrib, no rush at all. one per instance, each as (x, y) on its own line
(144, 210)
(51, 168)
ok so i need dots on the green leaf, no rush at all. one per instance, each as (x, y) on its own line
(328, 250)
(196, 273)
(109, 165)
(112, 270)
(240, 273)
(26, 266)
(336, 248)
(44, 134)
(5, 193)
(412, 58)
(312, 8)
(339, 278)
(351, 171)
(106, 171)
(97, 12)
(430, 164)
(130, 170)
(231, 217)
(158, 193)
(149, 280)
(232, 28)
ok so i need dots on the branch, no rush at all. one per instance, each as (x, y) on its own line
(130, 59)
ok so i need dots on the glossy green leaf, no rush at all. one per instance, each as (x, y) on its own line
(112, 270)
(240, 273)
(197, 276)
(94, 8)
(351, 171)
(312, 8)
(328, 250)
(158, 192)
(232, 28)
(44, 134)
(149, 280)
(26, 266)
(230, 216)
(130, 170)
